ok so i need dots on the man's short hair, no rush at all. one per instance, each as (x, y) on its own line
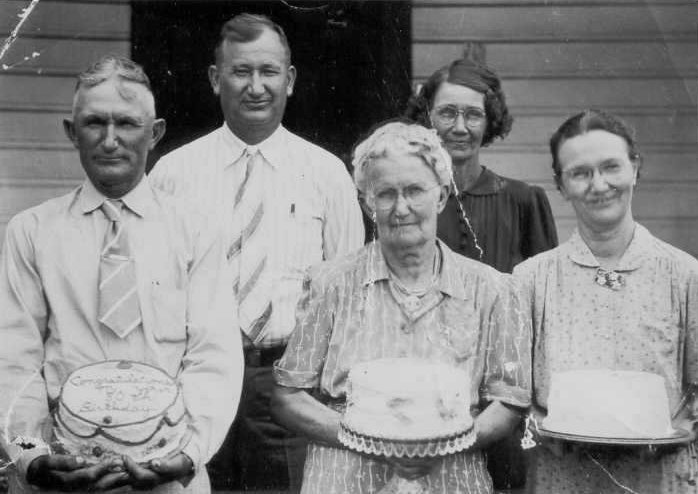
(245, 27)
(109, 66)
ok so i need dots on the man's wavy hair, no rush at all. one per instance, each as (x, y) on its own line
(473, 75)
(109, 66)
(246, 27)
(115, 66)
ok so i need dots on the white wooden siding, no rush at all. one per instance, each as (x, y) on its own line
(636, 58)
(37, 161)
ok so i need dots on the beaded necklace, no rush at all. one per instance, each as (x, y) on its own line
(414, 299)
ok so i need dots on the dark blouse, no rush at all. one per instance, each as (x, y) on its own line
(512, 221)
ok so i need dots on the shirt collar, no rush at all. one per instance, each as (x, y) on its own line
(272, 148)
(633, 257)
(140, 199)
(448, 281)
(486, 184)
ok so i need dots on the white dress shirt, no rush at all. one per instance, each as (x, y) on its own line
(49, 299)
(311, 201)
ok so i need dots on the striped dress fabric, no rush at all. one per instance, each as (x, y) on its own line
(348, 315)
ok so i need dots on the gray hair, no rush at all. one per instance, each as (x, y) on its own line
(110, 66)
(401, 137)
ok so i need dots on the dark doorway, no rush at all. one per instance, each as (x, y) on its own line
(353, 60)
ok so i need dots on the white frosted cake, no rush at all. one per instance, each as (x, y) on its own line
(120, 408)
(609, 404)
(408, 399)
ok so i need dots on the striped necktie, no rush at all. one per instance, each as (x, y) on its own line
(119, 309)
(249, 250)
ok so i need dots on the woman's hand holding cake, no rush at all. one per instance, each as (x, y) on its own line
(406, 298)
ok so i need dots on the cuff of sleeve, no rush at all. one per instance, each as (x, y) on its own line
(24, 459)
(295, 379)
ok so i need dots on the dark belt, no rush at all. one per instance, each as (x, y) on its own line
(263, 357)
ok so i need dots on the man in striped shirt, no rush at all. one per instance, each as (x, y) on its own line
(284, 204)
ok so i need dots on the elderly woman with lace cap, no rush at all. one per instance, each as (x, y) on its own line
(404, 295)
(612, 297)
(509, 220)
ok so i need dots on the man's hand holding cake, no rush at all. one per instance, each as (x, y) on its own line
(117, 315)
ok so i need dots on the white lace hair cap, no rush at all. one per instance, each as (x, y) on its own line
(399, 138)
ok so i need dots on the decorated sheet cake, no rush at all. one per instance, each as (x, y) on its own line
(408, 399)
(120, 408)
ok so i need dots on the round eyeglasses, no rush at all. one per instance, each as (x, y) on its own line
(447, 115)
(414, 195)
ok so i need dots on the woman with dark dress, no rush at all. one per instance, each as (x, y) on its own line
(497, 220)
(510, 219)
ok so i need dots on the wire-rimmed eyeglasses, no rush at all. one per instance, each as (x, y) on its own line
(414, 195)
(448, 114)
(583, 175)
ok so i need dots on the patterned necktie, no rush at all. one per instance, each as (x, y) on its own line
(119, 309)
(249, 249)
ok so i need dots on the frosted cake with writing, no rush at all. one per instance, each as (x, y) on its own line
(609, 404)
(120, 408)
(408, 399)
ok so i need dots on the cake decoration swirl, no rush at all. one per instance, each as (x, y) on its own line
(120, 407)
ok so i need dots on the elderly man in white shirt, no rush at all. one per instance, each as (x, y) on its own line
(284, 204)
(170, 308)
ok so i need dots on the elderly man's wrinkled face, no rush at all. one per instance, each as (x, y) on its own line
(597, 177)
(406, 198)
(253, 81)
(458, 115)
(113, 128)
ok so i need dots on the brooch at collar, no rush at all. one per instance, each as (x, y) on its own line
(610, 279)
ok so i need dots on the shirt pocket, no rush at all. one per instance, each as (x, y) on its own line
(302, 239)
(169, 313)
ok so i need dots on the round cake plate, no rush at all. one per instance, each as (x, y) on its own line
(398, 448)
(680, 436)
